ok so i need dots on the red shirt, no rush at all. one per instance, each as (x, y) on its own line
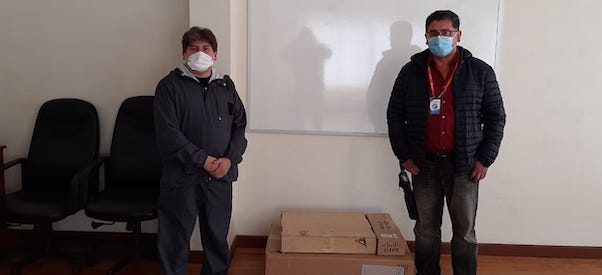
(440, 127)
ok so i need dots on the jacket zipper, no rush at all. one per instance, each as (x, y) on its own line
(219, 110)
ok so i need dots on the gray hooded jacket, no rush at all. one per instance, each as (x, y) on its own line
(193, 122)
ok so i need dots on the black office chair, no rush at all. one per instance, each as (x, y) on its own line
(54, 185)
(132, 174)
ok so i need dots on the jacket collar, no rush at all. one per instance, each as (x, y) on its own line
(185, 72)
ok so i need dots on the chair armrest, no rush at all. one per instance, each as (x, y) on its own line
(5, 167)
(11, 164)
(2, 154)
(79, 188)
(2, 185)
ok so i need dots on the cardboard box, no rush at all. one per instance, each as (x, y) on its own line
(327, 232)
(277, 263)
(390, 241)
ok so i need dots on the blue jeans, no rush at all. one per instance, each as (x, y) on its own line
(436, 182)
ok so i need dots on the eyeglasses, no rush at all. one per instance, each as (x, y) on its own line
(446, 33)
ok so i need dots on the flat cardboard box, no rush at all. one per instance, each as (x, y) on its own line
(277, 263)
(327, 232)
(390, 241)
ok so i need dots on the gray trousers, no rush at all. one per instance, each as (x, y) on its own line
(435, 183)
(179, 207)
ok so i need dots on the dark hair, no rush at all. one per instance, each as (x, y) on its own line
(197, 34)
(443, 15)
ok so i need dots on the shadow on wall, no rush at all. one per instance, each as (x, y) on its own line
(385, 72)
(307, 57)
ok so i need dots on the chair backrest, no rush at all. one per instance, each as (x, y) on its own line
(134, 164)
(65, 139)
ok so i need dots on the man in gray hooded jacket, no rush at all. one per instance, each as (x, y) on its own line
(200, 127)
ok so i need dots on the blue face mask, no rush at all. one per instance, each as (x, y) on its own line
(441, 45)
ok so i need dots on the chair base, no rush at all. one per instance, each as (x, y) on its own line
(133, 253)
(21, 255)
(17, 265)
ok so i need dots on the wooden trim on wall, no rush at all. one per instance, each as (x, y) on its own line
(244, 241)
(519, 250)
(24, 237)
(20, 237)
(513, 250)
(547, 251)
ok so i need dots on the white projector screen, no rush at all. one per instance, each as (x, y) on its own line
(328, 66)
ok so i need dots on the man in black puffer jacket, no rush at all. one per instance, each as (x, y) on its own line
(446, 120)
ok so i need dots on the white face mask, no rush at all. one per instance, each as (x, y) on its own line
(200, 61)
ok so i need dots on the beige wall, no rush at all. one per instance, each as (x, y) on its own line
(99, 51)
(547, 181)
(543, 189)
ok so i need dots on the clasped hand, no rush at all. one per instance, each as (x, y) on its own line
(217, 167)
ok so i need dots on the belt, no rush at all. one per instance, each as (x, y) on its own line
(439, 156)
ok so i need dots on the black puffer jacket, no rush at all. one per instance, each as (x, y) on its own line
(479, 116)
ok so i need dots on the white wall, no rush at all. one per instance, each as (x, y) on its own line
(99, 51)
(542, 190)
(215, 16)
(545, 185)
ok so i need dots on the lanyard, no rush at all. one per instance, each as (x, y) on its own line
(450, 76)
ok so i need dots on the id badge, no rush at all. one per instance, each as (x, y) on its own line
(435, 106)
